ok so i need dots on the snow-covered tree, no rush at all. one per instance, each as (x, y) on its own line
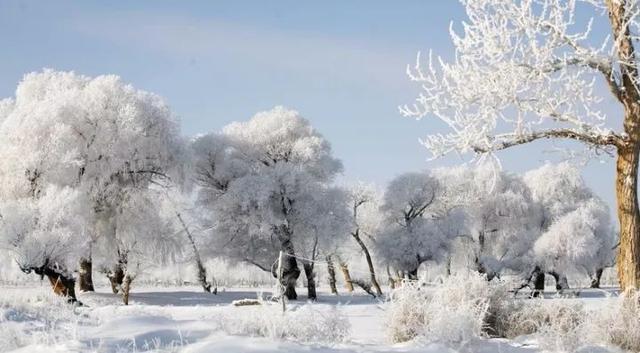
(99, 136)
(409, 235)
(365, 212)
(45, 234)
(566, 200)
(502, 219)
(528, 70)
(261, 181)
(581, 239)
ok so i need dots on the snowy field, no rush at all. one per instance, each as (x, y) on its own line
(184, 319)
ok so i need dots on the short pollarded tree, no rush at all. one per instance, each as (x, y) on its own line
(143, 232)
(409, 235)
(45, 234)
(561, 191)
(582, 239)
(97, 135)
(323, 227)
(502, 219)
(256, 179)
(525, 71)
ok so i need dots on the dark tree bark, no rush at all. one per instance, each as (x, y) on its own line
(116, 278)
(413, 274)
(85, 275)
(537, 277)
(290, 269)
(595, 278)
(331, 269)
(61, 283)
(311, 282)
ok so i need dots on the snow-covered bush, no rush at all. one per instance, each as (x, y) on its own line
(302, 324)
(616, 323)
(457, 310)
(40, 319)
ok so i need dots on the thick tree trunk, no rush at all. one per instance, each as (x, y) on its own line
(413, 274)
(62, 285)
(367, 255)
(629, 218)
(290, 270)
(116, 278)
(331, 269)
(85, 275)
(126, 288)
(627, 163)
(311, 282)
(538, 282)
(595, 279)
(347, 276)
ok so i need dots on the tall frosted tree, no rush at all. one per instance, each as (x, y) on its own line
(529, 70)
(99, 136)
(261, 181)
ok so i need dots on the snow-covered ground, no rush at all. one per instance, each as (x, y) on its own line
(183, 319)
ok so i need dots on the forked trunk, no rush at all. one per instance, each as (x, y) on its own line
(347, 276)
(85, 276)
(311, 282)
(331, 270)
(629, 218)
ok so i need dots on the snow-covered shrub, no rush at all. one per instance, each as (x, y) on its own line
(41, 319)
(302, 324)
(455, 311)
(616, 323)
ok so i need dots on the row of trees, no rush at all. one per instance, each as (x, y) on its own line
(95, 176)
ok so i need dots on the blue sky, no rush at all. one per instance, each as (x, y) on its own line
(340, 63)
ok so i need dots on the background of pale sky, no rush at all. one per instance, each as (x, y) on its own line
(340, 63)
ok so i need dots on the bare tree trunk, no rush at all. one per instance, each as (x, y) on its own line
(347, 276)
(202, 271)
(629, 218)
(290, 270)
(595, 278)
(85, 275)
(126, 288)
(628, 260)
(367, 255)
(538, 282)
(331, 269)
(311, 282)
(116, 278)
(413, 274)
(61, 284)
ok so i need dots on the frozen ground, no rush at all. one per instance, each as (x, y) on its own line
(184, 319)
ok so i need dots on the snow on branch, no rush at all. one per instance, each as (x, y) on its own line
(522, 71)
